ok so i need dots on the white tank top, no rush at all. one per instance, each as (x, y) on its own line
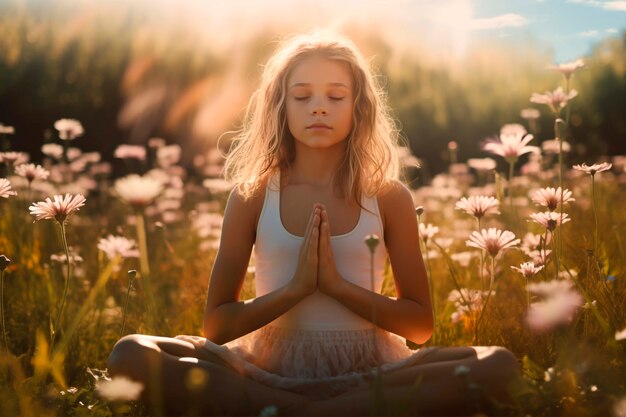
(276, 253)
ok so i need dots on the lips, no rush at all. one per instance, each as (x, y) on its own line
(318, 126)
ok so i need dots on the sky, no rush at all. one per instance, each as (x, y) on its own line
(567, 28)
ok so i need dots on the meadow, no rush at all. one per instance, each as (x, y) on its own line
(530, 257)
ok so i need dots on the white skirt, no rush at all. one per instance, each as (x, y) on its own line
(317, 363)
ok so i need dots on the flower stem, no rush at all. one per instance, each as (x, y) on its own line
(595, 215)
(68, 263)
(144, 265)
(556, 258)
(510, 187)
(143, 245)
(131, 278)
(482, 312)
(482, 261)
(4, 328)
(103, 278)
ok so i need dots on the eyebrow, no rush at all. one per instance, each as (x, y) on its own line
(336, 84)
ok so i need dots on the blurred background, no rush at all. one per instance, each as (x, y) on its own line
(455, 70)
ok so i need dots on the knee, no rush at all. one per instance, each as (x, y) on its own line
(505, 361)
(129, 353)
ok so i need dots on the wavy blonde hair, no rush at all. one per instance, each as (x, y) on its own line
(264, 144)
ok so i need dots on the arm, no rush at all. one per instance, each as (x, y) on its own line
(226, 318)
(410, 315)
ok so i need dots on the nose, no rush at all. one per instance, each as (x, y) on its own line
(318, 110)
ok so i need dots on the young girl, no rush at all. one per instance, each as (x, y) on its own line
(316, 174)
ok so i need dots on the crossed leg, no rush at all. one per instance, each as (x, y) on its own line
(179, 377)
(431, 387)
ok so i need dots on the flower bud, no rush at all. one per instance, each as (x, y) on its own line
(4, 262)
(372, 241)
(419, 210)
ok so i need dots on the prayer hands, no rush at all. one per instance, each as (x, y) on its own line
(328, 278)
(316, 267)
(304, 281)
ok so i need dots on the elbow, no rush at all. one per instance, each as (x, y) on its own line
(424, 329)
(212, 331)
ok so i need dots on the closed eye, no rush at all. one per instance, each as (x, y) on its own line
(302, 98)
(337, 98)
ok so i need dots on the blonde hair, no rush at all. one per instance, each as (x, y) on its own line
(264, 145)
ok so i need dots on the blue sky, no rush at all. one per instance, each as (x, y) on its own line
(571, 27)
(568, 28)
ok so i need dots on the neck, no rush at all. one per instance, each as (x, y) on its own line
(316, 166)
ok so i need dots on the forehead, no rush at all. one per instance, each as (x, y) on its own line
(318, 70)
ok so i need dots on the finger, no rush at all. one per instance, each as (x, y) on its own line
(309, 226)
(324, 232)
(309, 244)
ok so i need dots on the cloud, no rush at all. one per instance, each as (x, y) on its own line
(498, 22)
(606, 5)
(589, 34)
(615, 5)
(611, 30)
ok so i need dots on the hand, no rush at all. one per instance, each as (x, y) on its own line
(304, 281)
(328, 279)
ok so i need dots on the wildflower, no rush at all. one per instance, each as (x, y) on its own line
(53, 150)
(217, 185)
(540, 256)
(556, 99)
(532, 241)
(168, 155)
(61, 258)
(530, 114)
(59, 208)
(427, 231)
(118, 245)
(593, 169)
(492, 240)
(69, 129)
(14, 158)
(138, 191)
(512, 143)
(119, 389)
(32, 172)
(550, 219)
(130, 152)
(513, 129)
(481, 164)
(551, 198)
(568, 68)
(463, 258)
(478, 206)
(558, 307)
(547, 288)
(5, 188)
(528, 269)
(6, 130)
(553, 147)
(156, 142)
(467, 302)
(621, 335)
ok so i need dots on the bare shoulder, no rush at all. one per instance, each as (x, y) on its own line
(394, 197)
(245, 210)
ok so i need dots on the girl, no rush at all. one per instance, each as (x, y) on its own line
(315, 173)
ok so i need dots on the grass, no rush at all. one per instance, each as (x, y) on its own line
(575, 368)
